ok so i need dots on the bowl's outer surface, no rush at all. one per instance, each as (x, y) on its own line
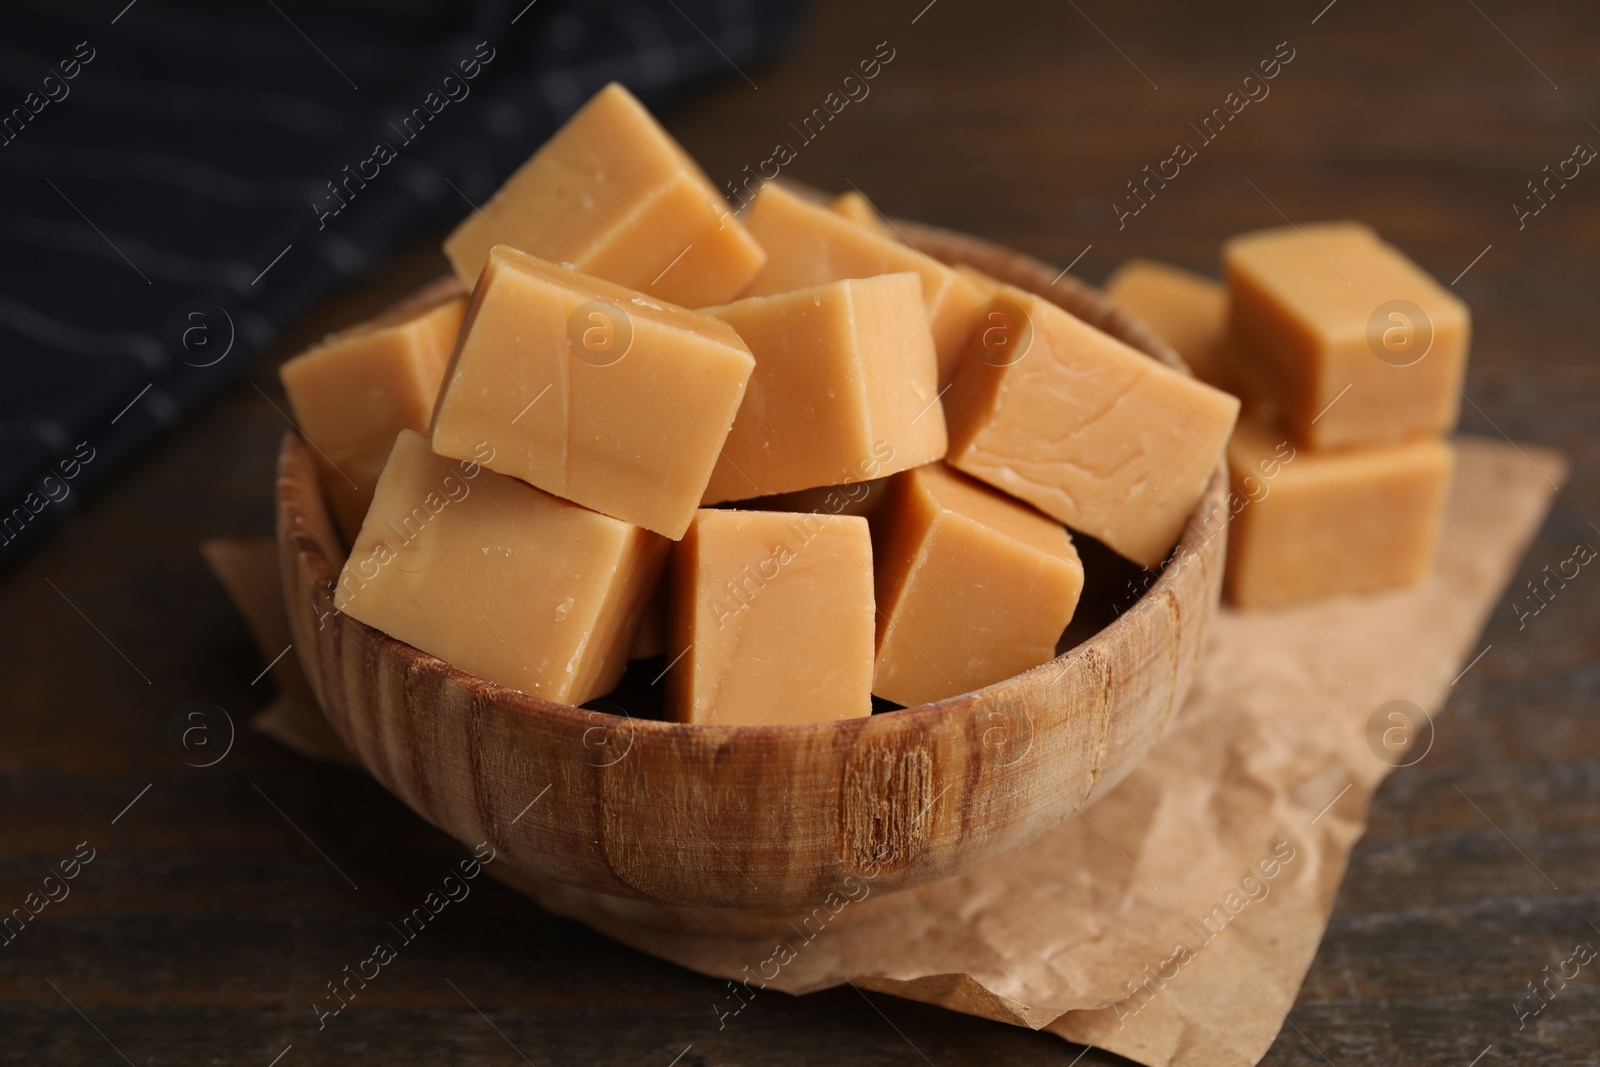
(758, 817)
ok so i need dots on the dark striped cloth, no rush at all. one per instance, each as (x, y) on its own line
(179, 180)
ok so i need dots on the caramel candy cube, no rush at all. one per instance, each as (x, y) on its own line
(772, 618)
(1090, 431)
(1311, 524)
(862, 498)
(353, 392)
(1187, 310)
(843, 389)
(591, 392)
(972, 586)
(496, 578)
(650, 639)
(962, 309)
(987, 286)
(858, 209)
(1352, 341)
(615, 196)
(807, 244)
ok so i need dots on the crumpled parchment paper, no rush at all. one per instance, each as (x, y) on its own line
(1174, 922)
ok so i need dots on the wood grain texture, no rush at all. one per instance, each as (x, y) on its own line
(208, 925)
(778, 817)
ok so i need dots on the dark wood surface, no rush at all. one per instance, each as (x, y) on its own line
(219, 904)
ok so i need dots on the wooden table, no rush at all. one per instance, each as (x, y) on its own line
(224, 898)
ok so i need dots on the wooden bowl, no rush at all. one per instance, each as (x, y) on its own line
(758, 817)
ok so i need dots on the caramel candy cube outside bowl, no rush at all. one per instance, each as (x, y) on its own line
(772, 613)
(1317, 524)
(1310, 308)
(353, 392)
(696, 825)
(591, 392)
(615, 196)
(973, 587)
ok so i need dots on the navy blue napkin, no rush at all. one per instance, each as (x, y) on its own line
(180, 180)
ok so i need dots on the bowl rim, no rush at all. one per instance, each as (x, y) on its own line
(313, 560)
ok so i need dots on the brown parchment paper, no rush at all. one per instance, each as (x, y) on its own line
(1174, 922)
